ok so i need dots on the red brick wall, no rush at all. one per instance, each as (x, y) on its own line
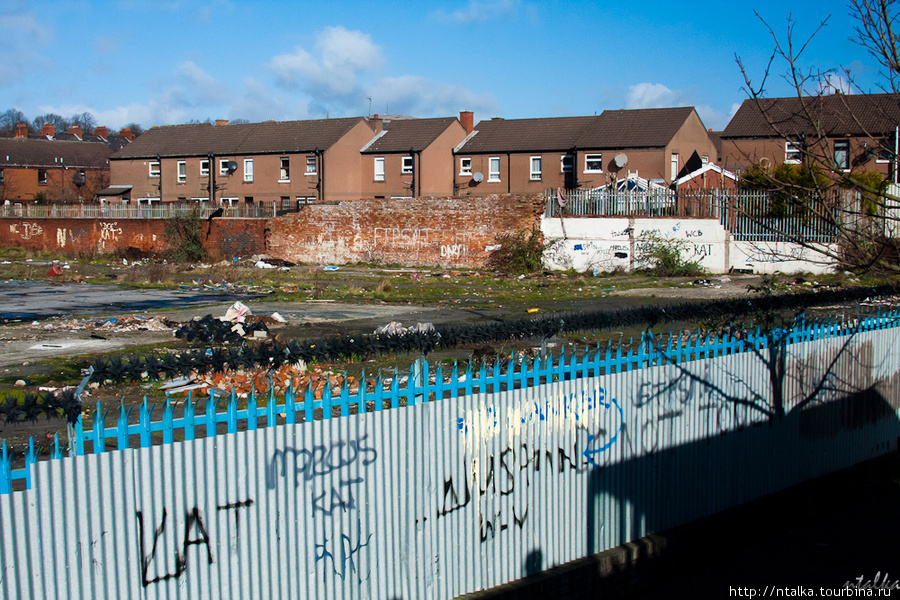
(416, 232)
(79, 237)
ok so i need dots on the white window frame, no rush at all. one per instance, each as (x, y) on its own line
(593, 158)
(792, 149)
(248, 169)
(42, 176)
(223, 166)
(846, 148)
(535, 173)
(154, 172)
(204, 170)
(230, 200)
(379, 168)
(284, 169)
(311, 166)
(493, 175)
(566, 166)
(406, 167)
(704, 160)
(673, 166)
(465, 167)
(182, 171)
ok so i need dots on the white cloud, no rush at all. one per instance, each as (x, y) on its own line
(655, 95)
(480, 11)
(833, 83)
(341, 58)
(20, 34)
(424, 97)
(204, 88)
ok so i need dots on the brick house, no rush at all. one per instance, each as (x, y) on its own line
(850, 132)
(411, 157)
(531, 155)
(284, 162)
(46, 168)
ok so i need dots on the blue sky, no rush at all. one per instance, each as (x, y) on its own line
(159, 62)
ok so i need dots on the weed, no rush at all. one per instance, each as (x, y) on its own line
(665, 258)
(384, 286)
(519, 253)
(185, 235)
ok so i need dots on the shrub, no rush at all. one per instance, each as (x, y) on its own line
(186, 237)
(519, 253)
(665, 258)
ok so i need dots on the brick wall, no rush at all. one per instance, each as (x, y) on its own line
(452, 232)
(81, 237)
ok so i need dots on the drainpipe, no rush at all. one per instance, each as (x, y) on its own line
(412, 184)
(159, 183)
(508, 175)
(321, 184)
(212, 178)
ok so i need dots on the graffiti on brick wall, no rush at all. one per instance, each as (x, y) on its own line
(110, 231)
(453, 245)
(26, 230)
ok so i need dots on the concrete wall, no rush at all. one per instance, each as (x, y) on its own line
(452, 232)
(594, 244)
(79, 237)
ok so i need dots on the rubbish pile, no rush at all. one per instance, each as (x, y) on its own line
(237, 324)
(262, 382)
(114, 324)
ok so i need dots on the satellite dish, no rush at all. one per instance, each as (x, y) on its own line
(764, 162)
(478, 177)
(621, 160)
(231, 166)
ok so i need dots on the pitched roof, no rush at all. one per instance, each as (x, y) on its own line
(525, 135)
(837, 114)
(246, 138)
(53, 153)
(640, 128)
(401, 135)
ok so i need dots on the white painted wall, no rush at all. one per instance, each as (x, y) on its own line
(607, 244)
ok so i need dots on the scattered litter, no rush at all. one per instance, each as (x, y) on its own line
(395, 328)
(278, 318)
(55, 270)
(261, 264)
(331, 268)
(236, 313)
(533, 310)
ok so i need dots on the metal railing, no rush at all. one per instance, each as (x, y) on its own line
(166, 210)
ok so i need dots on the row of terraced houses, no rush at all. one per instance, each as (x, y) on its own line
(329, 160)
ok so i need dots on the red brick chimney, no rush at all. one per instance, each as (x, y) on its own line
(48, 130)
(220, 122)
(467, 118)
(377, 123)
(21, 130)
(102, 132)
(126, 133)
(75, 130)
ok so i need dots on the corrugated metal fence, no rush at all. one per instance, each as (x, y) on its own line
(447, 485)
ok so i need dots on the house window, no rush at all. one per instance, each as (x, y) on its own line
(1, 175)
(465, 166)
(842, 154)
(285, 173)
(154, 168)
(792, 153)
(407, 165)
(204, 168)
(223, 166)
(494, 168)
(593, 163)
(42, 176)
(379, 169)
(182, 171)
(673, 166)
(565, 163)
(310, 165)
(248, 169)
(535, 168)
